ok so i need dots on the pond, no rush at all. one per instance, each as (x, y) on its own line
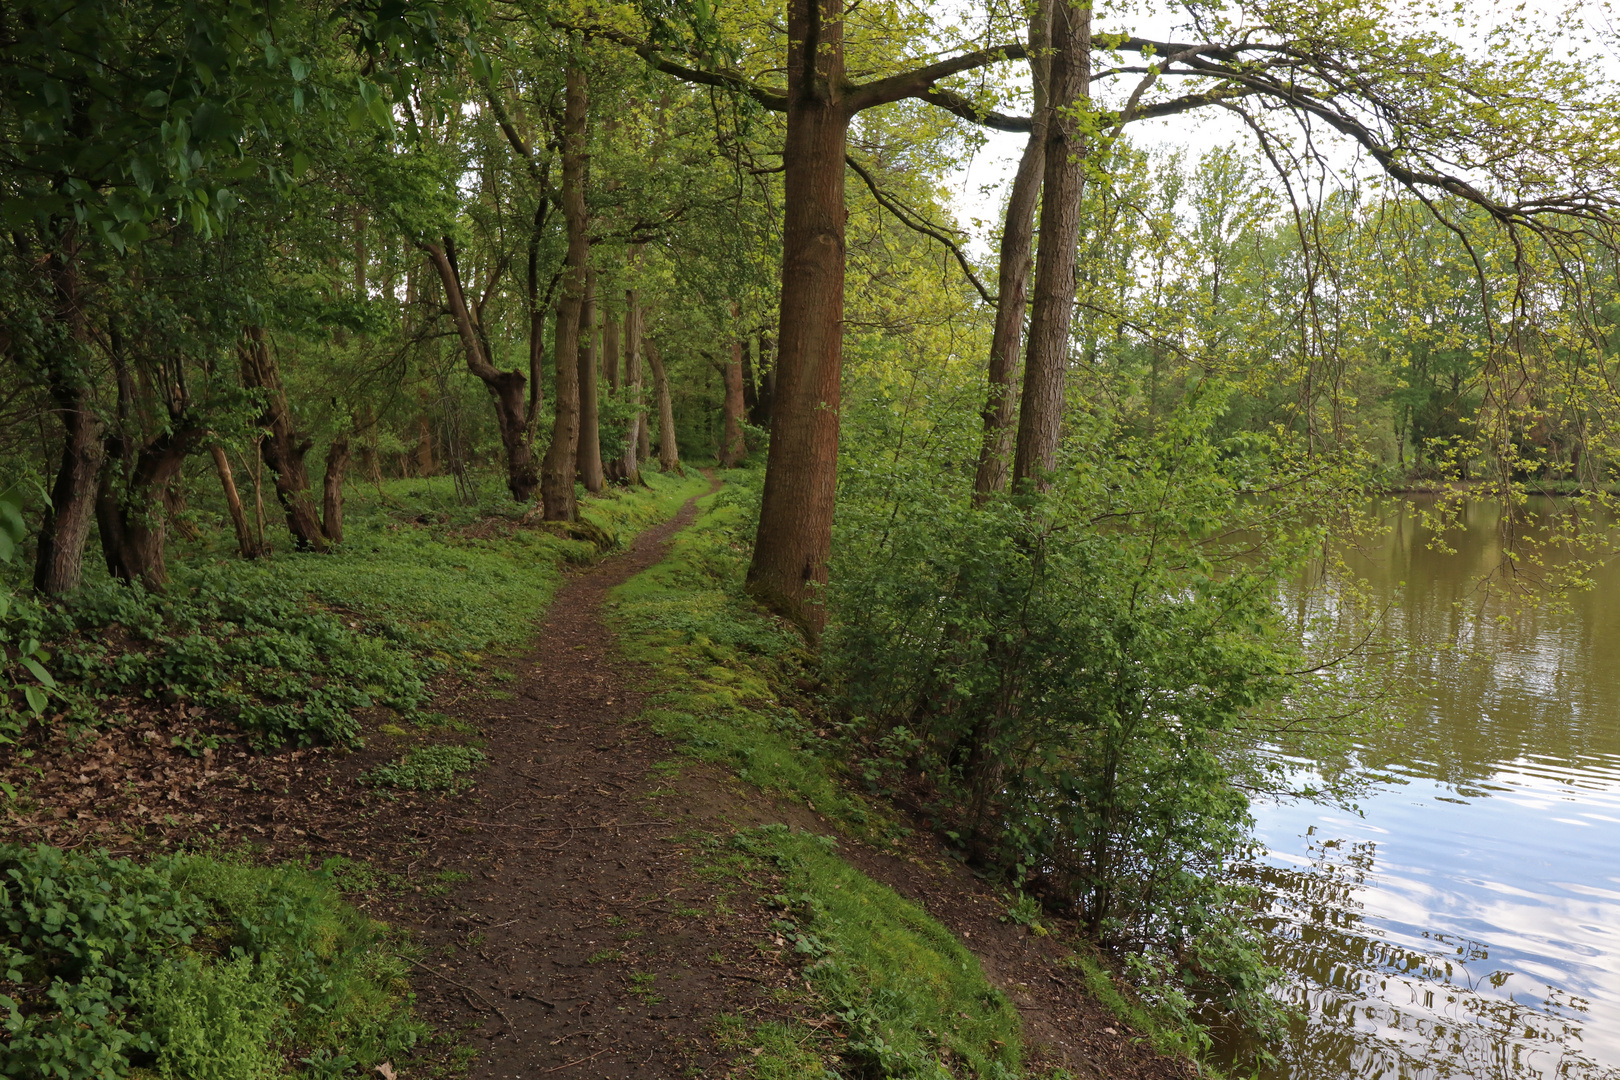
(1467, 922)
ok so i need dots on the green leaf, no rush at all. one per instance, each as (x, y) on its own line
(36, 699)
(37, 671)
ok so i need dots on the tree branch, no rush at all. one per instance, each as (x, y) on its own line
(915, 222)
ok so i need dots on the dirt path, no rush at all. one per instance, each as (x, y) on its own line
(583, 939)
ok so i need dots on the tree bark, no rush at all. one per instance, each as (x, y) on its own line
(506, 388)
(610, 348)
(669, 457)
(590, 431)
(1040, 416)
(132, 522)
(760, 416)
(794, 540)
(59, 565)
(635, 447)
(732, 447)
(1016, 257)
(283, 448)
(337, 463)
(557, 479)
(233, 503)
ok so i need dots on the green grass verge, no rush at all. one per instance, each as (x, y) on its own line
(289, 648)
(912, 1002)
(190, 967)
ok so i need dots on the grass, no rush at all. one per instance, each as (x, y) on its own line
(191, 966)
(428, 768)
(293, 647)
(909, 999)
(725, 668)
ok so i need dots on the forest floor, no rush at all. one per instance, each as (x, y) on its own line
(567, 910)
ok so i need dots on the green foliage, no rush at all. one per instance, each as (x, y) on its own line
(912, 1000)
(194, 967)
(726, 667)
(30, 657)
(291, 648)
(428, 768)
(1079, 667)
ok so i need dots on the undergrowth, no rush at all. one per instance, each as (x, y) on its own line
(191, 967)
(911, 1000)
(290, 648)
(428, 768)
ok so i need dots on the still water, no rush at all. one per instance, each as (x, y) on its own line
(1467, 923)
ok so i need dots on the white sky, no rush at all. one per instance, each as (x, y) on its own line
(979, 186)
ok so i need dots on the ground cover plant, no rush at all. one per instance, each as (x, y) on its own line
(190, 966)
(289, 650)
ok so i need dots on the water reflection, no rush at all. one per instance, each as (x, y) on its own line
(1468, 925)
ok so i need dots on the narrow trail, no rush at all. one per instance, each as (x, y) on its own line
(580, 938)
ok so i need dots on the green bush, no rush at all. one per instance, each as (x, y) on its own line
(1072, 672)
(189, 966)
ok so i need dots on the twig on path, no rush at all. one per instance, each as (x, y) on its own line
(580, 1061)
(498, 1011)
(560, 828)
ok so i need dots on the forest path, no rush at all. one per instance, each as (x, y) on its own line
(583, 939)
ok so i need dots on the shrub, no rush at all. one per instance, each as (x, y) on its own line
(193, 967)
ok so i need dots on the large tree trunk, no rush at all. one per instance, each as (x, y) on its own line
(732, 447)
(590, 430)
(283, 449)
(233, 503)
(794, 539)
(635, 445)
(1017, 250)
(59, 565)
(669, 456)
(132, 521)
(557, 479)
(1040, 416)
(506, 388)
(337, 463)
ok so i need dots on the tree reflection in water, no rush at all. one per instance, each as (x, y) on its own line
(1369, 1008)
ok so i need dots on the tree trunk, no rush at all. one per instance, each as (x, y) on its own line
(610, 349)
(132, 521)
(635, 445)
(669, 457)
(283, 449)
(233, 502)
(337, 463)
(590, 432)
(794, 539)
(1017, 247)
(1040, 416)
(732, 447)
(761, 414)
(557, 479)
(506, 388)
(59, 565)
(750, 391)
